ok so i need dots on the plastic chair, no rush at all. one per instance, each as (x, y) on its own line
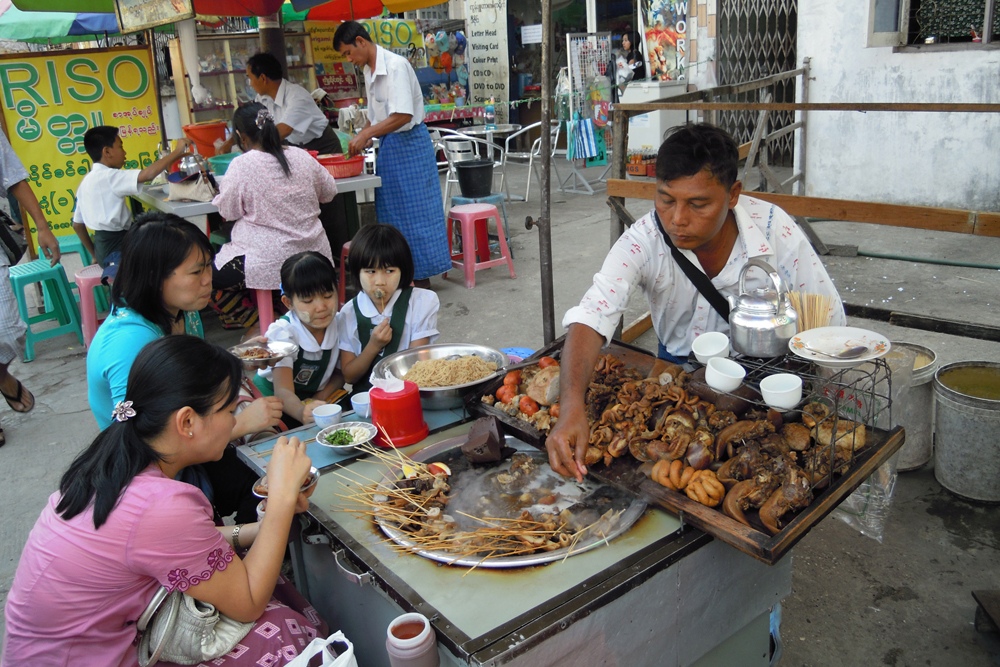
(265, 310)
(519, 157)
(71, 244)
(62, 304)
(497, 200)
(475, 241)
(342, 278)
(88, 279)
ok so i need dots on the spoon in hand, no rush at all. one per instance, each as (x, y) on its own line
(848, 353)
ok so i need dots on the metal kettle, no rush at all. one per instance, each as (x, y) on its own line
(763, 321)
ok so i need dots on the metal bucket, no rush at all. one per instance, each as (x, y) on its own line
(967, 420)
(914, 410)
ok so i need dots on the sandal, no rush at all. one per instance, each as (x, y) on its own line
(21, 391)
(3, 438)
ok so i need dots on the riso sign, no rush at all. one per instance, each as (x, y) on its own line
(50, 101)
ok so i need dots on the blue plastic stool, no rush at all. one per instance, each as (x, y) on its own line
(71, 244)
(61, 306)
(520, 352)
(498, 201)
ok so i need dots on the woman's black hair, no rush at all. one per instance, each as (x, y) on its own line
(170, 373)
(266, 136)
(153, 248)
(378, 247)
(306, 274)
(348, 33)
(635, 42)
(690, 148)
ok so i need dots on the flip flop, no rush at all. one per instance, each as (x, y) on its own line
(3, 438)
(21, 391)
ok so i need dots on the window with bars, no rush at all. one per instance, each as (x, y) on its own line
(912, 22)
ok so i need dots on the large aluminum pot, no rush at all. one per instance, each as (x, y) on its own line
(442, 398)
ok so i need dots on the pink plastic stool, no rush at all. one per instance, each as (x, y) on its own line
(265, 310)
(473, 218)
(342, 280)
(87, 279)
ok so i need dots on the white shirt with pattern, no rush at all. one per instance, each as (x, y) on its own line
(393, 88)
(640, 258)
(294, 106)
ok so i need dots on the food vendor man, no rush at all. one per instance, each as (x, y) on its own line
(700, 210)
(299, 121)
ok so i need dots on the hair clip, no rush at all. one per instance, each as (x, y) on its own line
(281, 288)
(123, 411)
(263, 115)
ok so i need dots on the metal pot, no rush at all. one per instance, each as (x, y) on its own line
(763, 321)
(189, 165)
(442, 398)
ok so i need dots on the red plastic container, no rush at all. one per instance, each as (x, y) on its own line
(400, 414)
(204, 135)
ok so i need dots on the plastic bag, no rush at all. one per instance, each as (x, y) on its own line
(317, 646)
(867, 508)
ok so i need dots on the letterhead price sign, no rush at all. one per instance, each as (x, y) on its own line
(487, 54)
(50, 101)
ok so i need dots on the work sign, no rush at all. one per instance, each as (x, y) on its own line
(50, 101)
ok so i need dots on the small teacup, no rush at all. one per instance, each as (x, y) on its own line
(782, 391)
(710, 345)
(723, 374)
(362, 405)
(327, 415)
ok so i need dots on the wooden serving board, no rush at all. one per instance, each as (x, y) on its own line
(623, 473)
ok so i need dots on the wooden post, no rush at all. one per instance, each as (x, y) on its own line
(272, 39)
(619, 142)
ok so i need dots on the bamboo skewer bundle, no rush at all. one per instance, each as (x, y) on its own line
(813, 310)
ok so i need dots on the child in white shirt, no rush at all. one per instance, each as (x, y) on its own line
(100, 199)
(388, 314)
(308, 379)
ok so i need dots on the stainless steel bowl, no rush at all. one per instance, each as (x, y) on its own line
(441, 398)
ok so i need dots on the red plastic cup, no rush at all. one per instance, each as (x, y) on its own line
(400, 414)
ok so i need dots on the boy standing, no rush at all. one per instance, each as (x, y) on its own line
(100, 199)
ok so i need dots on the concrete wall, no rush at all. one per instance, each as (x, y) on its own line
(949, 160)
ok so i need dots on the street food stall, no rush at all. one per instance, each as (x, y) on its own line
(650, 585)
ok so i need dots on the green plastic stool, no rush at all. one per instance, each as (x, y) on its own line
(71, 244)
(61, 306)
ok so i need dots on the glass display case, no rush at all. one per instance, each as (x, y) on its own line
(222, 70)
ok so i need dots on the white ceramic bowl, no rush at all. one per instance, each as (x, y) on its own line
(710, 345)
(362, 405)
(782, 391)
(723, 374)
(327, 415)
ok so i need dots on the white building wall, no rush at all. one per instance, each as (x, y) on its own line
(932, 159)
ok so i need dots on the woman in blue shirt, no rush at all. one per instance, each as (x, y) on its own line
(164, 279)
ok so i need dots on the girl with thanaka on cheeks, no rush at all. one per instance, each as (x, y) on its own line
(388, 314)
(308, 380)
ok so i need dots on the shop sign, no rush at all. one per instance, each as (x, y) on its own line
(399, 36)
(664, 24)
(336, 80)
(50, 101)
(136, 15)
(487, 55)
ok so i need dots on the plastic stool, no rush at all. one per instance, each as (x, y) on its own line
(265, 310)
(342, 279)
(473, 218)
(497, 200)
(63, 304)
(71, 244)
(89, 281)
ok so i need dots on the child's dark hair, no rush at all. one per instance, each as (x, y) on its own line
(266, 135)
(378, 247)
(170, 373)
(348, 33)
(96, 139)
(307, 274)
(266, 64)
(690, 148)
(153, 248)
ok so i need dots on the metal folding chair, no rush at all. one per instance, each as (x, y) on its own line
(519, 157)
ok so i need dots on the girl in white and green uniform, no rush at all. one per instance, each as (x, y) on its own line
(308, 379)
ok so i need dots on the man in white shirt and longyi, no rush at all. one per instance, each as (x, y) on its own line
(699, 209)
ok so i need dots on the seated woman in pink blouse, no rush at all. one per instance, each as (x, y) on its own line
(273, 192)
(120, 527)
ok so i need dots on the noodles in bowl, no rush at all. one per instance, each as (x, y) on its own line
(449, 372)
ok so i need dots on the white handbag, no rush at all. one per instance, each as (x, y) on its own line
(192, 190)
(317, 646)
(177, 628)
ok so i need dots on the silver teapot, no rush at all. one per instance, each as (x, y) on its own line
(190, 165)
(763, 321)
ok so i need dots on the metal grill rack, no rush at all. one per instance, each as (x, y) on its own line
(860, 396)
